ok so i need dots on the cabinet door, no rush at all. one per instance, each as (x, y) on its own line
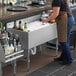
(42, 35)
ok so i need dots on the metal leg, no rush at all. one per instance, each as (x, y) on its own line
(14, 68)
(0, 69)
(28, 60)
(57, 47)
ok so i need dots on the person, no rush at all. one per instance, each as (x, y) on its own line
(65, 21)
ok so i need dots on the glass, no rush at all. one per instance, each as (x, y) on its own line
(44, 17)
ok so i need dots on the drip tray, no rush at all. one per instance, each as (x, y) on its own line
(36, 5)
(17, 8)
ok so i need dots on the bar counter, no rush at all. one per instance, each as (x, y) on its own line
(7, 16)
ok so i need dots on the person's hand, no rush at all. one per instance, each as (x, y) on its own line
(52, 21)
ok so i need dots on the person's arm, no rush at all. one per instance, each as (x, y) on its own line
(56, 4)
(54, 14)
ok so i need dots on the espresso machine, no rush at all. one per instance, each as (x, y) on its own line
(38, 2)
(7, 2)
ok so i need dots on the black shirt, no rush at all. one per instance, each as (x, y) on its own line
(63, 6)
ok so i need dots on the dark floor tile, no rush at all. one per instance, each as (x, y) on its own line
(74, 63)
(37, 73)
(73, 74)
(52, 75)
(72, 68)
(51, 67)
(74, 54)
(62, 72)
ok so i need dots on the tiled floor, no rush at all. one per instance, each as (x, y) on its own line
(42, 64)
(55, 69)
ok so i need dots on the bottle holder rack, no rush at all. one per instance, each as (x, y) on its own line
(10, 57)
